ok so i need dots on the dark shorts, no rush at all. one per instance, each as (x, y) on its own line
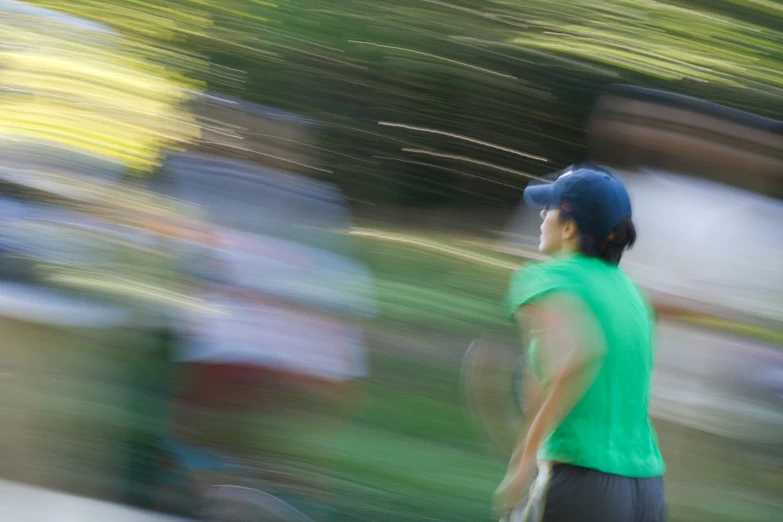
(574, 494)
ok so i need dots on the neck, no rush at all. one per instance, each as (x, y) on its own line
(569, 248)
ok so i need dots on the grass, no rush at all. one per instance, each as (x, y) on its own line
(410, 453)
(437, 289)
(417, 419)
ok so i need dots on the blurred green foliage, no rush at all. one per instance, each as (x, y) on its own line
(522, 75)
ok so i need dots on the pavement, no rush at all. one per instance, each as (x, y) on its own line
(24, 503)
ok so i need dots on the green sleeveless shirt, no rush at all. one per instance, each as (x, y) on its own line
(609, 428)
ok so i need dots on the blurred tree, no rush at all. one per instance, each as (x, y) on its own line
(483, 92)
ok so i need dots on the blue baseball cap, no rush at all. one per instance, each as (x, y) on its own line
(590, 194)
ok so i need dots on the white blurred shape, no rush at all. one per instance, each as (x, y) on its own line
(707, 241)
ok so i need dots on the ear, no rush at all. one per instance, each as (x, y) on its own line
(569, 229)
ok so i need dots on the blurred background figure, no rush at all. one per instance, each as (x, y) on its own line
(273, 361)
(244, 246)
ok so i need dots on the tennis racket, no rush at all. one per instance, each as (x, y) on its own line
(492, 376)
(228, 503)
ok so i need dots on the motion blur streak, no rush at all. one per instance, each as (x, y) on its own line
(245, 246)
(79, 85)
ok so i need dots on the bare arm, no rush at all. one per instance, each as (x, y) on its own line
(571, 347)
(570, 350)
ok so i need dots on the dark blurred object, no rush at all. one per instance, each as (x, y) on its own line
(637, 127)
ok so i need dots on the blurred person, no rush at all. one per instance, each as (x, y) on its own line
(589, 439)
(271, 362)
(258, 376)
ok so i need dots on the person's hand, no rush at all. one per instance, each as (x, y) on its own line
(519, 476)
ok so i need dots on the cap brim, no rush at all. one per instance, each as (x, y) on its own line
(539, 196)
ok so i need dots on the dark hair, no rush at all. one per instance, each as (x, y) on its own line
(611, 250)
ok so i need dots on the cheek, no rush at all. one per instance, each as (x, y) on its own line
(551, 231)
(548, 226)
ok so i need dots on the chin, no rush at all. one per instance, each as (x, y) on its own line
(545, 249)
